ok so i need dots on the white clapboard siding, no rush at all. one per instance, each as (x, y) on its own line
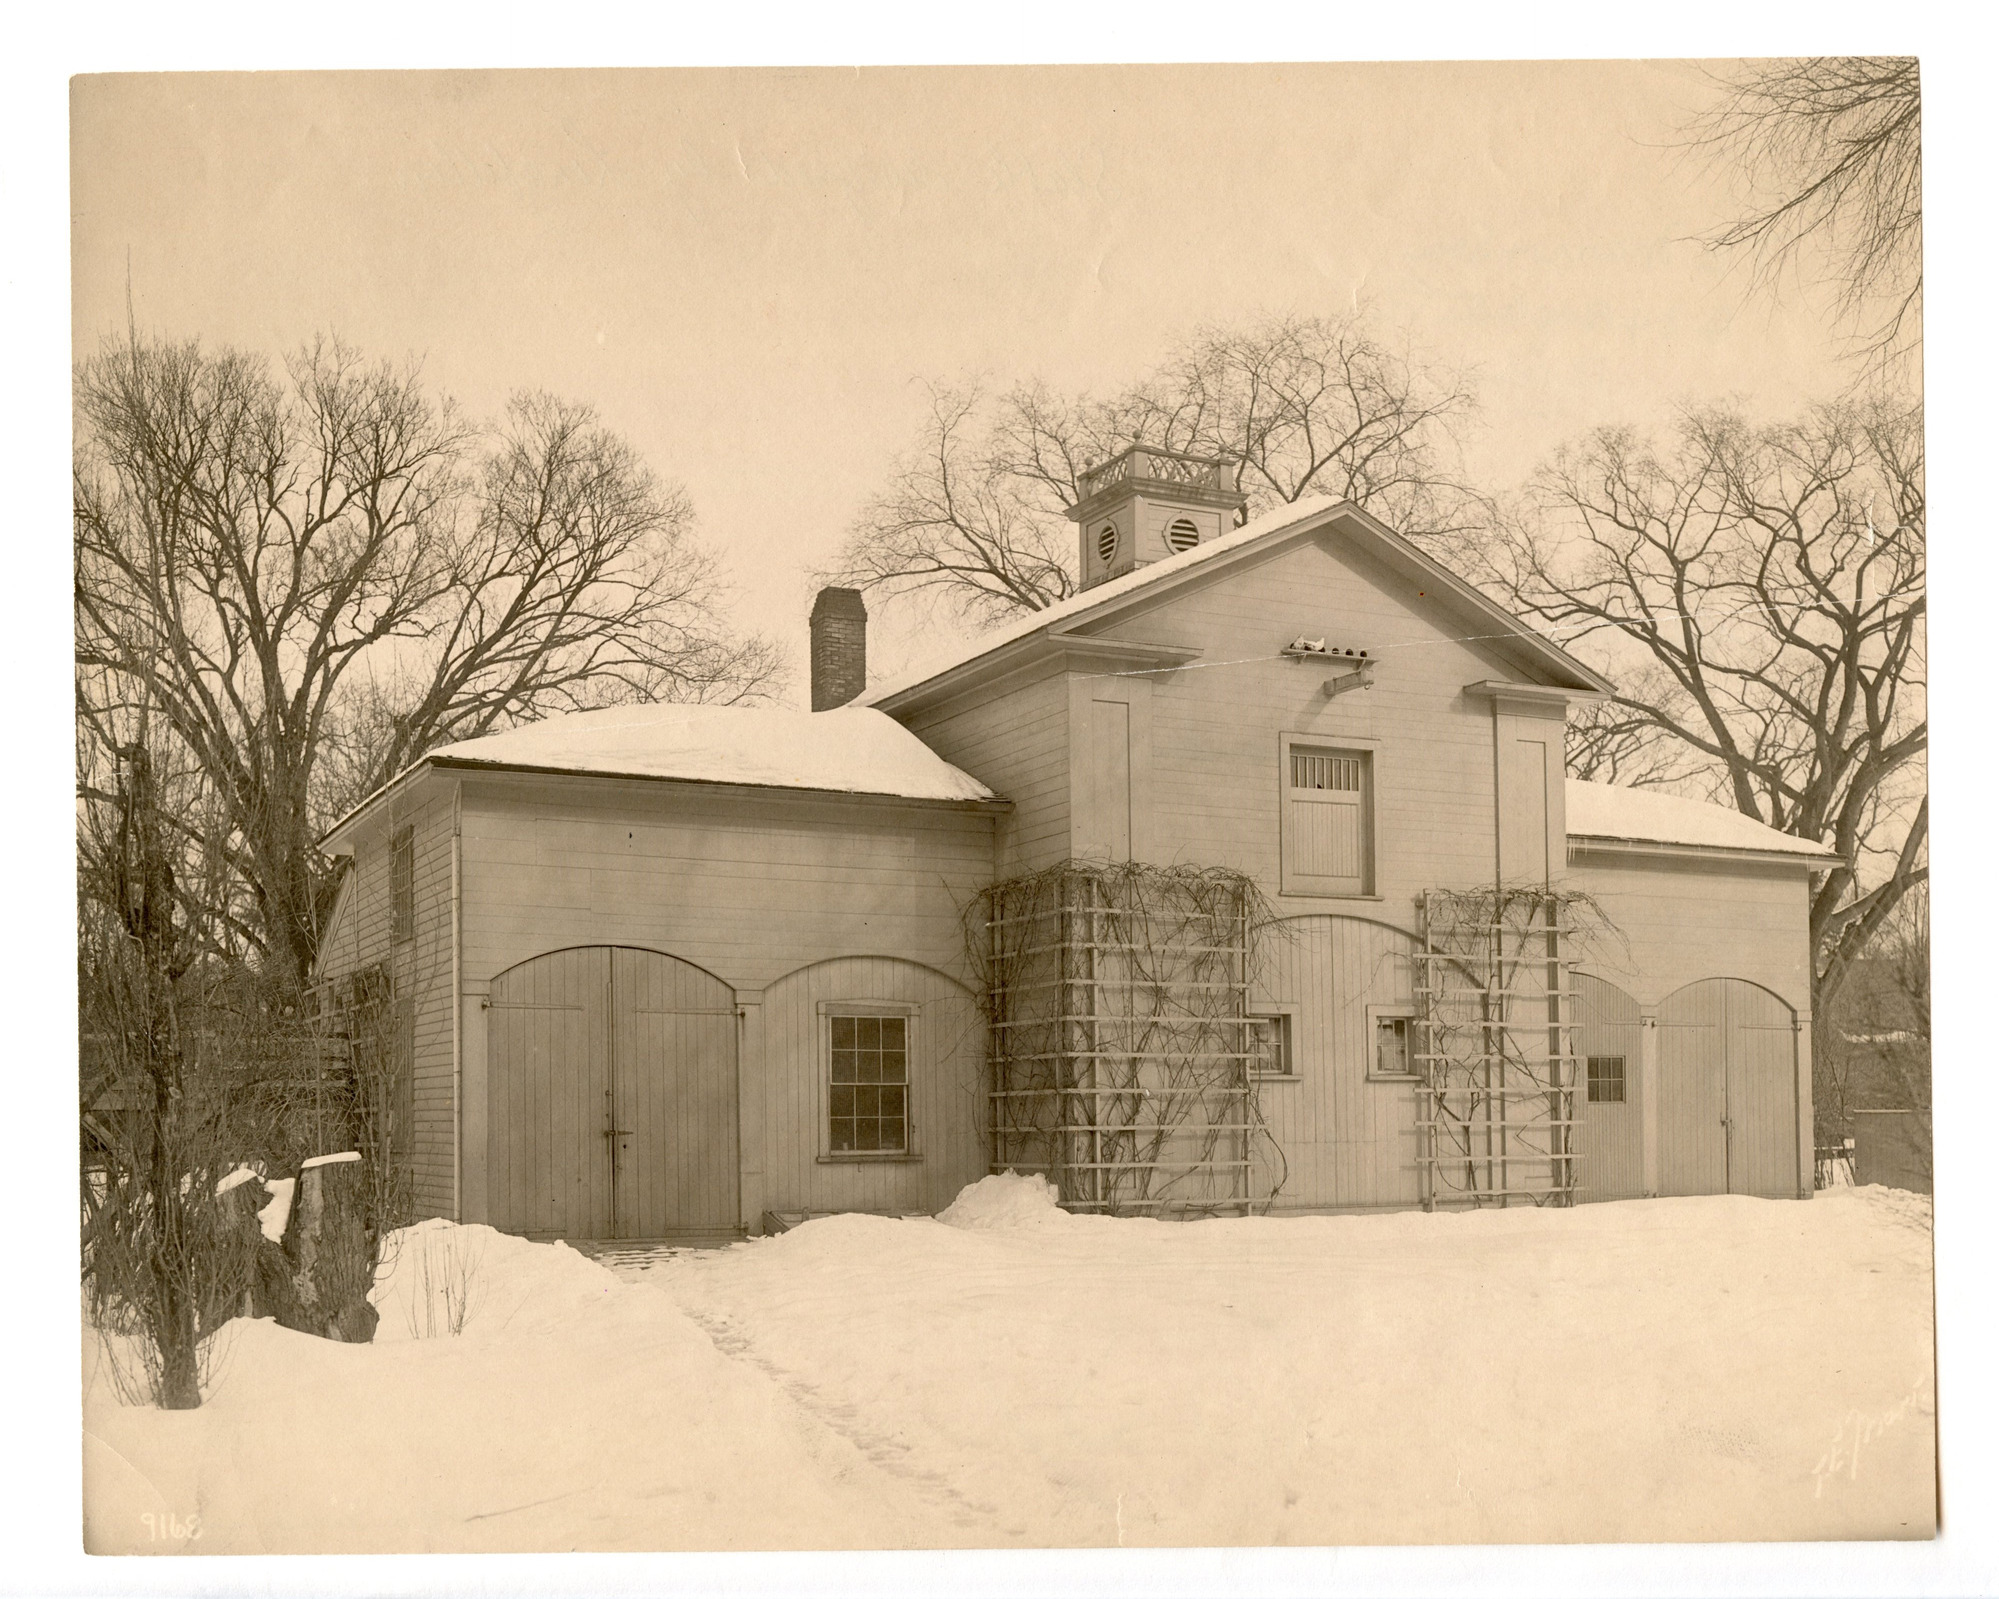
(360, 933)
(946, 1084)
(1346, 1141)
(744, 886)
(1017, 743)
(1676, 921)
(1218, 784)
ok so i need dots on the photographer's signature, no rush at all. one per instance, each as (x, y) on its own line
(1857, 1429)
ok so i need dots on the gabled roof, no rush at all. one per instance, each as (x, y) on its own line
(1603, 811)
(1488, 623)
(852, 750)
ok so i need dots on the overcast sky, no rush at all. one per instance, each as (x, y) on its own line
(748, 272)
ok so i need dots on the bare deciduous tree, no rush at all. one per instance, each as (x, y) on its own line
(1299, 405)
(311, 577)
(1759, 593)
(1829, 151)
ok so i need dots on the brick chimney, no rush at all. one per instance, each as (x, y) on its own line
(839, 647)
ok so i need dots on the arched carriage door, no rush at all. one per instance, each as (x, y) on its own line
(1728, 1091)
(612, 1076)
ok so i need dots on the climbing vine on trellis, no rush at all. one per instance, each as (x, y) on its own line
(1122, 1046)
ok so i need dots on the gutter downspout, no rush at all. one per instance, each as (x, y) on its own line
(457, 1009)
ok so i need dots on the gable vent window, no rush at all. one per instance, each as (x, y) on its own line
(1107, 544)
(1338, 773)
(1327, 820)
(1182, 535)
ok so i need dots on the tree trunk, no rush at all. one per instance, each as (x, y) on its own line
(328, 1256)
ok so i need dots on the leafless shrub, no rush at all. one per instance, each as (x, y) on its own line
(444, 1278)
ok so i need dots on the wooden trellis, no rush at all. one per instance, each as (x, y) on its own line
(1495, 1048)
(1121, 1044)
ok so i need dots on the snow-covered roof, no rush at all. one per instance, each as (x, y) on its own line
(1639, 815)
(850, 750)
(1089, 599)
(1142, 577)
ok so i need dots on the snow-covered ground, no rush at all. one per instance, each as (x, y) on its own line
(1012, 1375)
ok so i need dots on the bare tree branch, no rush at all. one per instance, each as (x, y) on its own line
(1829, 154)
(1300, 405)
(309, 578)
(1759, 592)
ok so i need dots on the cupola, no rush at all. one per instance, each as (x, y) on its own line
(1145, 504)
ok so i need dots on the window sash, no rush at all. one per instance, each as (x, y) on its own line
(867, 1109)
(402, 884)
(1606, 1079)
(1270, 1045)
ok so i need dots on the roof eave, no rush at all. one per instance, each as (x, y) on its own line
(1051, 649)
(995, 806)
(1571, 675)
(353, 816)
(1614, 844)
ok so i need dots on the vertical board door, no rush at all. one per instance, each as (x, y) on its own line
(1325, 813)
(1610, 1142)
(1693, 1091)
(673, 1035)
(1762, 1045)
(612, 1075)
(1728, 1098)
(549, 1081)
(1107, 804)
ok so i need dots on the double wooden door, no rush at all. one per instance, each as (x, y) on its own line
(612, 1076)
(1728, 1091)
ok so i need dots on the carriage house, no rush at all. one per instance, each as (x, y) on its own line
(667, 971)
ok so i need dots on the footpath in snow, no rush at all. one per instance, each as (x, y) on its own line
(1008, 1374)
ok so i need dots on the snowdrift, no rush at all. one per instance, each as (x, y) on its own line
(1009, 1374)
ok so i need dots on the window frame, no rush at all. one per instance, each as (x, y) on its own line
(1623, 1079)
(1294, 884)
(1377, 1014)
(1288, 1014)
(912, 1020)
(402, 883)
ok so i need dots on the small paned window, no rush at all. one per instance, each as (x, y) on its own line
(1107, 543)
(1394, 1055)
(1270, 1046)
(869, 1098)
(1606, 1079)
(402, 883)
(1182, 535)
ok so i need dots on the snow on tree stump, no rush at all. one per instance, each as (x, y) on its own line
(319, 1281)
(239, 1202)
